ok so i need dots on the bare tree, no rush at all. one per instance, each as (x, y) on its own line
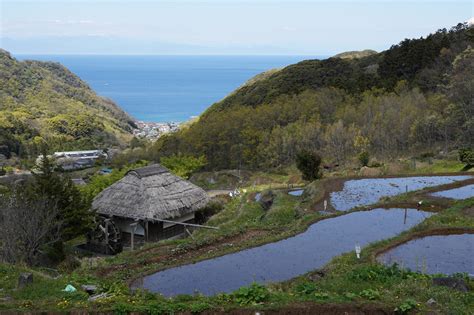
(26, 226)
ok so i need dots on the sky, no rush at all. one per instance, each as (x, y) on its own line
(221, 27)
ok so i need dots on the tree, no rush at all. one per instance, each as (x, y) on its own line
(183, 166)
(466, 156)
(27, 225)
(73, 210)
(364, 158)
(309, 165)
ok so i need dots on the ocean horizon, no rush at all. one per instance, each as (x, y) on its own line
(167, 88)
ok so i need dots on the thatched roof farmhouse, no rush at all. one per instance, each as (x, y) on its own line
(148, 200)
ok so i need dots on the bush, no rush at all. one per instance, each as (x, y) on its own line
(370, 294)
(381, 273)
(466, 156)
(183, 166)
(254, 294)
(407, 306)
(306, 288)
(364, 158)
(308, 163)
(212, 208)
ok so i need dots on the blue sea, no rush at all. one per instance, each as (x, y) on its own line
(167, 88)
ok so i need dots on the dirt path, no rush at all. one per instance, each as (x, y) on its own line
(218, 192)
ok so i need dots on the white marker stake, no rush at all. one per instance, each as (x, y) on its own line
(325, 205)
(357, 249)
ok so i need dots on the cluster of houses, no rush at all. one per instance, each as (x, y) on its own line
(153, 130)
(73, 160)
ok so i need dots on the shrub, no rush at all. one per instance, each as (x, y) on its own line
(466, 156)
(321, 296)
(381, 273)
(212, 208)
(199, 307)
(407, 306)
(364, 158)
(182, 165)
(254, 294)
(308, 163)
(306, 288)
(370, 294)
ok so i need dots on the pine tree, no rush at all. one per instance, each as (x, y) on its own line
(74, 210)
(309, 165)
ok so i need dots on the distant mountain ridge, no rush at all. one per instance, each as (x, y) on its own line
(44, 102)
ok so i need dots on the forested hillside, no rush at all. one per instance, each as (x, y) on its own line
(414, 98)
(44, 102)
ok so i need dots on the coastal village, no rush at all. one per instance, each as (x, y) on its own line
(153, 130)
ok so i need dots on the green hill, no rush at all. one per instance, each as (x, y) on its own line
(44, 101)
(411, 98)
(355, 54)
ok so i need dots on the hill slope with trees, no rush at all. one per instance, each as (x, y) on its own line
(45, 102)
(414, 97)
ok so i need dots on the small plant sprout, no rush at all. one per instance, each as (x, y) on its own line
(357, 250)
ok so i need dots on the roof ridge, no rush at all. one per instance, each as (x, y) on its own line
(150, 170)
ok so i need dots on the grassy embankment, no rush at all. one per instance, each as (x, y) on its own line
(243, 223)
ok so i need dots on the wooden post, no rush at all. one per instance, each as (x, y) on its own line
(146, 230)
(106, 236)
(189, 233)
(132, 239)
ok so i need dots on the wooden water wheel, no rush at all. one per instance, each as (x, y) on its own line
(106, 236)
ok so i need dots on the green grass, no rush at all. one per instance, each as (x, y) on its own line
(441, 166)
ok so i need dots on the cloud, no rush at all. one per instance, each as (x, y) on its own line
(69, 22)
(470, 21)
(288, 28)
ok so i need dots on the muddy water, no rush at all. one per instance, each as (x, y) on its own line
(456, 193)
(446, 254)
(284, 259)
(298, 192)
(362, 192)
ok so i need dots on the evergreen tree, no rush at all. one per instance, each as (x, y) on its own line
(308, 163)
(74, 210)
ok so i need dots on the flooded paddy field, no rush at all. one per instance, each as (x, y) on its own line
(297, 192)
(284, 259)
(447, 254)
(456, 193)
(363, 192)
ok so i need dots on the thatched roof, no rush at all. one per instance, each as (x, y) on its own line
(148, 193)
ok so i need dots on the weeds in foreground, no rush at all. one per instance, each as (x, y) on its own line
(254, 294)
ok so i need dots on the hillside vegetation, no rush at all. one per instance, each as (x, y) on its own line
(414, 98)
(355, 54)
(44, 101)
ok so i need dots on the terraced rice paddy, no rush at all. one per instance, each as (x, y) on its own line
(447, 254)
(284, 259)
(363, 192)
(456, 193)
